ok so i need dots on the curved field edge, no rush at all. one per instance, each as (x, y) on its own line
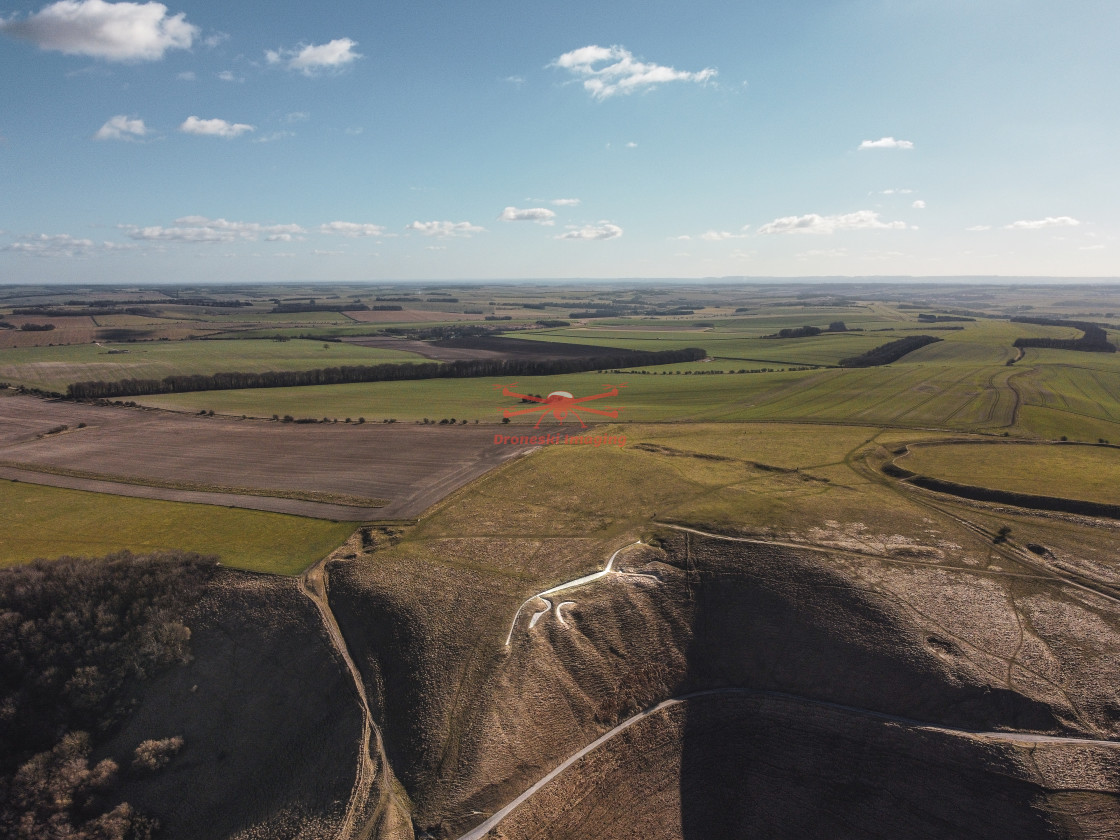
(996, 470)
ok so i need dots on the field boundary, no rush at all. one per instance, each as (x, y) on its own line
(317, 496)
(291, 507)
(1058, 504)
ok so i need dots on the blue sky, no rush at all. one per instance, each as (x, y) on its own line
(347, 141)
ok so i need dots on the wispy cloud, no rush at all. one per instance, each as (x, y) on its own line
(352, 229)
(564, 202)
(213, 128)
(315, 58)
(606, 71)
(602, 230)
(540, 215)
(886, 143)
(230, 76)
(112, 31)
(814, 223)
(1038, 224)
(200, 229)
(121, 127)
(978, 228)
(274, 136)
(722, 235)
(50, 245)
(445, 229)
(828, 253)
(919, 205)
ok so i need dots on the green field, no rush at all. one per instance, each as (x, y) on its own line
(561, 512)
(1091, 473)
(1036, 401)
(51, 522)
(53, 368)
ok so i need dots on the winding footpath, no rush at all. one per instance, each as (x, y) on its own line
(480, 831)
(1020, 738)
(313, 584)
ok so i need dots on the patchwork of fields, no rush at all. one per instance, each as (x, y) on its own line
(971, 381)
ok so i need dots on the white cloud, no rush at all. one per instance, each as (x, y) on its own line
(813, 223)
(196, 229)
(297, 117)
(50, 245)
(121, 127)
(186, 76)
(721, 235)
(607, 71)
(352, 229)
(540, 215)
(886, 143)
(1038, 224)
(313, 58)
(978, 228)
(215, 38)
(445, 229)
(631, 145)
(515, 80)
(112, 31)
(602, 230)
(565, 202)
(230, 76)
(213, 128)
(919, 205)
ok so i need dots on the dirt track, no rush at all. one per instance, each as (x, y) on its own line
(362, 816)
(484, 828)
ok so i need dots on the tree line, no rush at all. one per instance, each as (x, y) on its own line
(1094, 340)
(387, 372)
(892, 351)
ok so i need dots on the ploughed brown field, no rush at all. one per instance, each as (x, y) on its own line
(407, 316)
(357, 472)
(485, 347)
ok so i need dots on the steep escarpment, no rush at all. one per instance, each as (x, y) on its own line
(268, 717)
(820, 693)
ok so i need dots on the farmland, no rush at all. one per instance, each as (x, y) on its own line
(733, 581)
(1074, 472)
(44, 521)
(53, 368)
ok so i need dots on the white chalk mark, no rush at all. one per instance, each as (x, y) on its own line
(560, 606)
(577, 582)
(537, 615)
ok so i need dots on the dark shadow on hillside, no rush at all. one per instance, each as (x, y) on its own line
(772, 763)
